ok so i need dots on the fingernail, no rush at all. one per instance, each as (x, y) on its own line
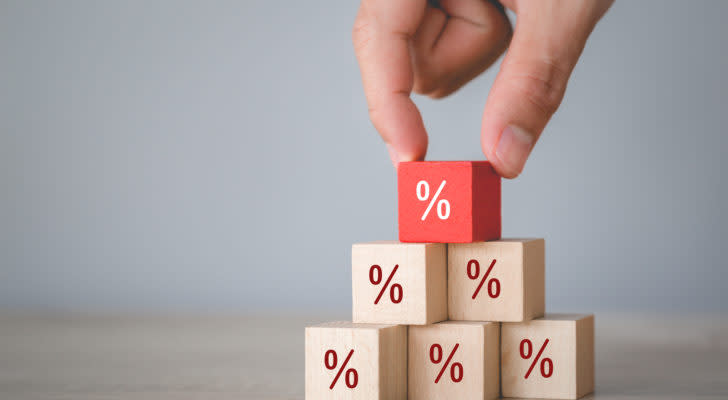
(513, 148)
(393, 155)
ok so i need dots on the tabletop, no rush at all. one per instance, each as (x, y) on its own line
(126, 356)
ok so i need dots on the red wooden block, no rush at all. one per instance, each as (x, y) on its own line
(448, 201)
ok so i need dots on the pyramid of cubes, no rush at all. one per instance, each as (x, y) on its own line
(451, 310)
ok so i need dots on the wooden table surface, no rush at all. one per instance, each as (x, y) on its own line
(226, 357)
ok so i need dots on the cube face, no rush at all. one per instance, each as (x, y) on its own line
(369, 360)
(502, 280)
(454, 360)
(448, 201)
(486, 202)
(550, 357)
(414, 293)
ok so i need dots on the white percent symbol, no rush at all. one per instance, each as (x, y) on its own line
(423, 194)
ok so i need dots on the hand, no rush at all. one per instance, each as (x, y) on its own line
(406, 45)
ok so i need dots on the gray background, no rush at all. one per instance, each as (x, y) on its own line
(217, 156)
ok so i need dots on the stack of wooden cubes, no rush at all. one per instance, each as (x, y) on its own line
(451, 311)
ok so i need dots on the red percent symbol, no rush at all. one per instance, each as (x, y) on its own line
(395, 291)
(351, 379)
(526, 349)
(456, 369)
(473, 272)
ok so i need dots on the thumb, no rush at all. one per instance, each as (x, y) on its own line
(531, 83)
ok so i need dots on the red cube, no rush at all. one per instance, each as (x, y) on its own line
(448, 201)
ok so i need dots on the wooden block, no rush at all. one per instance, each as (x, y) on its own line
(550, 357)
(454, 360)
(448, 201)
(512, 290)
(356, 361)
(415, 293)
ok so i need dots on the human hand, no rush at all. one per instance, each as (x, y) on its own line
(411, 45)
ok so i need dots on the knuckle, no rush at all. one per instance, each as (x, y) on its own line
(361, 33)
(375, 116)
(543, 85)
(425, 85)
(427, 79)
(434, 85)
(441, 92)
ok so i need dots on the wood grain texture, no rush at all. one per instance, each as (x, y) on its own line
(477, 352)
(249, 357)
(569, 349)
(421, 272)
(379, 359)
(585, 356)
(519, 270)
(534, 278)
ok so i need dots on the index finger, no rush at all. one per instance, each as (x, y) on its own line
(381, 35)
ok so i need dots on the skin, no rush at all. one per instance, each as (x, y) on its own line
(412, 45)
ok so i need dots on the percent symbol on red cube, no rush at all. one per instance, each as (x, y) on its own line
(423, 194)
(395, 291)
(473, 271)
(351, 378)
(456, 369)
(526, 349)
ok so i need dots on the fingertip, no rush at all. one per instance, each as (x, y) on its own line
(504, 172)
(513, 149)
(393, 155)
(407, 150)
(402, 129)
(414, 150)
(509, 152)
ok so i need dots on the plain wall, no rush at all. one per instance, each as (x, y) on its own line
(188, 155)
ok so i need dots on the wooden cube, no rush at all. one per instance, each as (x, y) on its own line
(502, 280)
(448, 201)
(549, 357)
(399, 283)
(454, 360)
(356, 361)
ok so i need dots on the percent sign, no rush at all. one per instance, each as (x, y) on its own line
(351, 379)
(395, 291)
(526, 349)
(423, 194)
(473, 272)
(456, 369)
